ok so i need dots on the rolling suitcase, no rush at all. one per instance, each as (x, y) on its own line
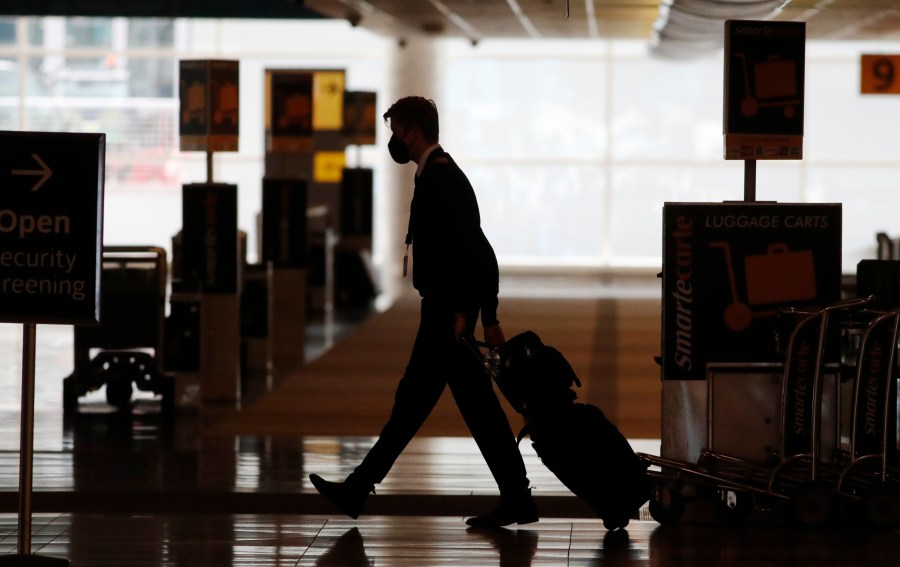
(575, 440)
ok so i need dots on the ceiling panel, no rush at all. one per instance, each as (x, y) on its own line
(480, 19)
(826, 19)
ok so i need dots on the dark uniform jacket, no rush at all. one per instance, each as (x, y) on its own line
(453, 262)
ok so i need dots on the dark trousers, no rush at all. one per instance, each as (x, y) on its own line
(438, 360)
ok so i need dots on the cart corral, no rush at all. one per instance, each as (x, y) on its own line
(779, 375)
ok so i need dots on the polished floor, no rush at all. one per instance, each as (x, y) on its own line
(228, 485)
(432, 541)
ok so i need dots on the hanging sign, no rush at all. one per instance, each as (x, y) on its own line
(289, 108)
(328, 97)
(209, 97)
(764, 89)
(359, 117)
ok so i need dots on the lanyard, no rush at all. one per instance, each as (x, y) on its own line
(406, 254)
(409, 239)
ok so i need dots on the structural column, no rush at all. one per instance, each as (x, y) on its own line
(416, 71)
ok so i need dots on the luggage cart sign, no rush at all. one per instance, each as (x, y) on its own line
(356, 202)
(209, 105)
(764, 89)
(360, 117)
(729, 269)
(284, 226)
(51, 227)
(289, 114)
(209, 255)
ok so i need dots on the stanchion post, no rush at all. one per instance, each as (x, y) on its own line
(26, 459)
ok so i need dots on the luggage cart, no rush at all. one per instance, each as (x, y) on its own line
(127, 348)
(870, 475)
(796, 473)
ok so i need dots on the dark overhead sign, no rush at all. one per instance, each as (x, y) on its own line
(764, 89)
(51, 230)
(162, 8)
(209, 96)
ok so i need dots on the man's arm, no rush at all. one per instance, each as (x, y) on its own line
(493, 335)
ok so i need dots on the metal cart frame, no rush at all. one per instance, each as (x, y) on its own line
(797, 475)
(126, 348)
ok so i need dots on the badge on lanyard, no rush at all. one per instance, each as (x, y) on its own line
(406, 255)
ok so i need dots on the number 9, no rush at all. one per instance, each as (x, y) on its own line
(883, 70)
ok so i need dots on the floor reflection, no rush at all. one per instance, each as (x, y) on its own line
(691, 545)
(120, 451)
(517, 547)
(223, 540)
(348, 551)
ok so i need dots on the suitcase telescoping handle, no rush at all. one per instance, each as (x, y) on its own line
(487, 355)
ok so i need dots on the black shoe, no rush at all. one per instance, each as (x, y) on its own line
(348, 496)
(521, 510)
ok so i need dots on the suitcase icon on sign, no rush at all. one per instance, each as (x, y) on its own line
(774, 84)
(227, 107)
(195, 107)
(296, 111)
(777, 277)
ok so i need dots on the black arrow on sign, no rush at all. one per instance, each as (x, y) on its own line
(45, 172)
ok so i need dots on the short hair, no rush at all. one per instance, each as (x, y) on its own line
(415, 111)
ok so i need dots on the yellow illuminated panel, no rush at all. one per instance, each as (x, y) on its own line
(328, 100)
(328, 167)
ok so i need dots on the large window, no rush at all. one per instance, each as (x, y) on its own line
(119, 76)
(574, 147)
(530, 130)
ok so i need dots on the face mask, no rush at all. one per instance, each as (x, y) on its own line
(398, 150)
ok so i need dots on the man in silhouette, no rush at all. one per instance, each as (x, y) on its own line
(455, 271)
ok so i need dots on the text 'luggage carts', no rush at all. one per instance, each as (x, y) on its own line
(852, 342)
(126, 349)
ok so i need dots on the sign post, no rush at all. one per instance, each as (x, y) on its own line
(724, 274)
(51, 241)
(209, 95)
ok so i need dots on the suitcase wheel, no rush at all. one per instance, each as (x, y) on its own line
(613, 523)
(667, 505)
